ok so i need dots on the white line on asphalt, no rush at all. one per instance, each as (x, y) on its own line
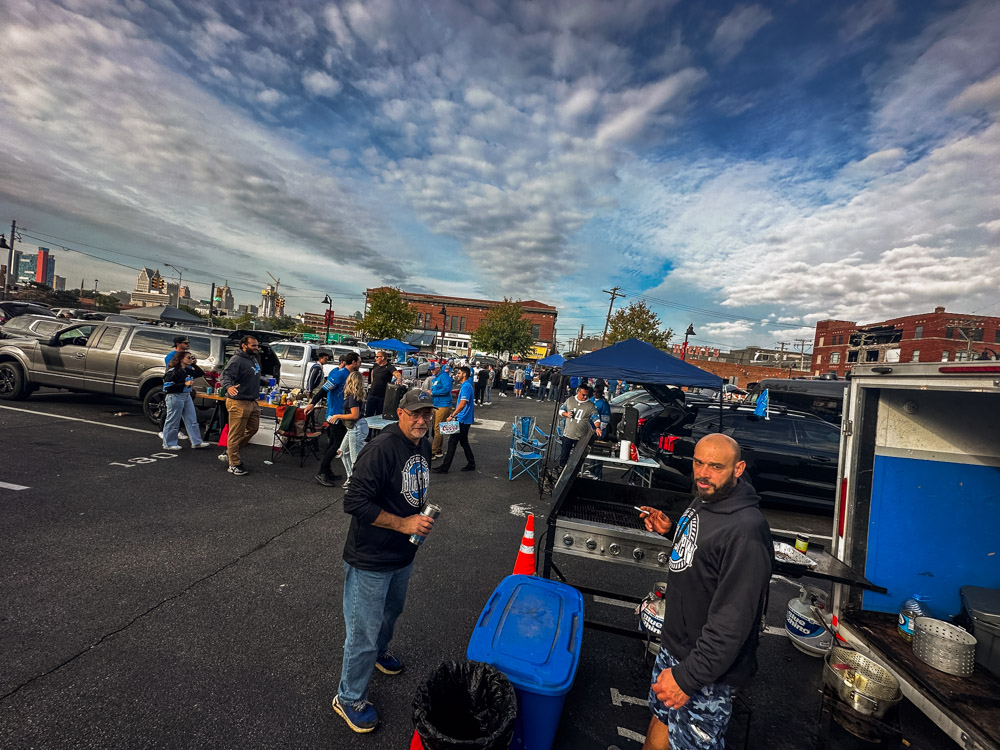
(772, 630)
(491, 424)
(793, 533)
(6, 486)
(614, 602)
(630, 735)
(519, 510)
(618, 699)
(77, 419)
(776, 577)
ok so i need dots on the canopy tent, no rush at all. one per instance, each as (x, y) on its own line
(421, 339)
(164, 314)
(394, 344)
(553, 360)
(635, 361)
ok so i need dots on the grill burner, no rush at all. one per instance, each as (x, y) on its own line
(598, 512)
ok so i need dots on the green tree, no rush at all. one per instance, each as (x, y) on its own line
(637, 321)
(504, 330)
(388, 317)
(107, 303)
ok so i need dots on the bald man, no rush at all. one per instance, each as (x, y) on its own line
(720, 567)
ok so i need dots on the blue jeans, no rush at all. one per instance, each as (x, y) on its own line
(352, 444)
(372, 602)
(180, 406)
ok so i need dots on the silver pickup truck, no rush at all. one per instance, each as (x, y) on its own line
(120, 359)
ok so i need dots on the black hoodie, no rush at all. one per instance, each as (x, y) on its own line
(390, 474)
(720, 568)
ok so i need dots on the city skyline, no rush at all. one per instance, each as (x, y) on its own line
(748, 168)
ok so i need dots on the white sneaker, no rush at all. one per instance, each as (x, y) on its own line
(224, 457)
(171, 447)
(201, 445)
(159, 435)
(182, 435)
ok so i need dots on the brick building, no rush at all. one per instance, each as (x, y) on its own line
(452, 330)
(937, 336)
(342, 325)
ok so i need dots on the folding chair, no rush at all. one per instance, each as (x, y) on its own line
(295, 434)
(527, 453)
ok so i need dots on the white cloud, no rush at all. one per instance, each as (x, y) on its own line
(319, 83)
(270, 97)
(877, 163)
(982, 95)
(733, 329)
(736, 29)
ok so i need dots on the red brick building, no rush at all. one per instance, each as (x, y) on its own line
(937, 336)
(453, 329)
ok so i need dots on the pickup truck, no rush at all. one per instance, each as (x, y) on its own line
(299, 357)
(119, 359)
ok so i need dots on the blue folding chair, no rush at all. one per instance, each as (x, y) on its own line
(527, 449)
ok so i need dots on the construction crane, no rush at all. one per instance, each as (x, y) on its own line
(276, 282)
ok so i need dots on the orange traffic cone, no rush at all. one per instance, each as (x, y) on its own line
(525, 563)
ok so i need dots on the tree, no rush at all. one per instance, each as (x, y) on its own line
(107, 303)
(388, 317)
(639, 322)
(504, 329)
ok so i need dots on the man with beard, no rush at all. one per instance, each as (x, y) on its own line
(720, 568)
(387, 492)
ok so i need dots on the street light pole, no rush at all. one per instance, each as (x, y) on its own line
(688, 332)
(329, 307)
(10, 258)
(180, 281)
(444, 325)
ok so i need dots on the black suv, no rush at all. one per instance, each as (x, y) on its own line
(13, 308)
(791, 458)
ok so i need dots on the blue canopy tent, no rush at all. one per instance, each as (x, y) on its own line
(635, 361)
(394, 345)
(553, 360)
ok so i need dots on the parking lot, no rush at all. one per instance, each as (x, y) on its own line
(152, 600)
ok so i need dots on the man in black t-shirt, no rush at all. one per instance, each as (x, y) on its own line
(381, 374)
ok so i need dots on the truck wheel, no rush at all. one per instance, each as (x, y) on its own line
(11, 381)
(153, 404)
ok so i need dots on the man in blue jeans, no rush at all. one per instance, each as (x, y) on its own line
(387, 492)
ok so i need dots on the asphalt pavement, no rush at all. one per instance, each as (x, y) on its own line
(152, 600)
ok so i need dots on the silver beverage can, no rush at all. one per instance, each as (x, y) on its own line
(430, 510)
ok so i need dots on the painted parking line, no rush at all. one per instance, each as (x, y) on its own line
(630, 735)
(618, 698)
(491, 424)
(78, 419)
(789, 532)
(8, 486)
(614, 602)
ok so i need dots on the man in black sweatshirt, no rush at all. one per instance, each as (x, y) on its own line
(387, 492)
(720, 568)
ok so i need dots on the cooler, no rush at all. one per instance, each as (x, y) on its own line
(531, 630)
(983, 606)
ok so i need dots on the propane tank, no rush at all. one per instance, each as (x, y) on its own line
(650, 611)
(806, 632)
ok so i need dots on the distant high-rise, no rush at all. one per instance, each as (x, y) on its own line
(271, 305)
(224, 297)
(59, 283)
(26, 268)
(150, 289)
(45, 267)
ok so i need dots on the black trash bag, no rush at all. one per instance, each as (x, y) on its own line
(465, 704)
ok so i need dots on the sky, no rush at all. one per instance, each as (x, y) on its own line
(748, 168)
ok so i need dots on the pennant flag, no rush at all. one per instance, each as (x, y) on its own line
(763, 405)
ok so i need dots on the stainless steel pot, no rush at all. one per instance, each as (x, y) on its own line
(862, 683)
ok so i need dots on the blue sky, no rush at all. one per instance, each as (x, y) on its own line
(746, 167)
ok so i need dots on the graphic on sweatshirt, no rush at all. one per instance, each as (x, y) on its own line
(685, 542)
(414, 484)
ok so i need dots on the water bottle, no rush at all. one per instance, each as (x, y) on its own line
(909, 611)
(429, 510)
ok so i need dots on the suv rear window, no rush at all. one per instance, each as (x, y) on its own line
(154, 341)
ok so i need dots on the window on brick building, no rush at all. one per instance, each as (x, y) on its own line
(835, 358)
(454, 322)
(852, 356)
(871, 355)
(918, 332)
(915, 357)
(536, 332)
(821, 338)
(964, 356)
(996, 336)
(461, 324)
(945, 355)
(420, 320)
(949, 332)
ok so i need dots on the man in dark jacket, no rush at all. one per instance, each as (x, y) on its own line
(387, 492)
(720, 568)
(241, 384)
(381, 374)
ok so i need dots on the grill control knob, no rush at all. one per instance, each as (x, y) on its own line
(568, 540)
(638, 554)
(614, 548)
(662, 558)
(591, 544)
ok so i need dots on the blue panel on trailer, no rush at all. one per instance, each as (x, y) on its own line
(934, 527)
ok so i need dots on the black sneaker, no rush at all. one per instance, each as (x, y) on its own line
(238, 470)
(359, 715)
(439, 470)
(326, 480)
(468, 467)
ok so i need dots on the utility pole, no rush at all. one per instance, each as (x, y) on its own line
(579, 341)
(802, 352)
(10, 260)
(614, 292)
(211, 304)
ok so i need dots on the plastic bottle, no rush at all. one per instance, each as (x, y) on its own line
(909, 611)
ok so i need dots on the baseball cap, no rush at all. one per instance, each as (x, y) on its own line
(415, 399)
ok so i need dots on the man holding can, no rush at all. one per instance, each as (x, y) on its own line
(720, 567)
(387, 492)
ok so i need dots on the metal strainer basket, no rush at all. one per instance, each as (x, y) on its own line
(867, 675)
(944, 646)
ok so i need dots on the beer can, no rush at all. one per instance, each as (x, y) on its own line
(802, 542)
(430, 510)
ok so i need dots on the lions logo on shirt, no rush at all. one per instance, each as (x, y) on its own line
(685, 542)
(414, 484)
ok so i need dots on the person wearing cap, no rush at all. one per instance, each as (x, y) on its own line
(315, 376)
(387, 492)
(441, 390)
(333, 390)
(181, 344)
(463, 414)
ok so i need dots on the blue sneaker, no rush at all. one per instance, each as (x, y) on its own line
(359, 715)
(388, 664)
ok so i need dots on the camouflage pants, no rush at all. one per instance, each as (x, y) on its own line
(700, 724)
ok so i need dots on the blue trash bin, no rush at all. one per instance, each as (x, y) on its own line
(531, 630)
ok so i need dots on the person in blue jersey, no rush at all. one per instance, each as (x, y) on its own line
(464, 415)
(441, 391)
(333, 389)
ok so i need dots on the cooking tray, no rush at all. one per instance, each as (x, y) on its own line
(944, 646)
(786, 553)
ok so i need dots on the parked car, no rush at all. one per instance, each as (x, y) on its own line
(791, 457)
(823, 397)
(297, 359)
(38, 326)
(13, 308)
(121, 359)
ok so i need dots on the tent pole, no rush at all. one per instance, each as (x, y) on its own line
(721, 407)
